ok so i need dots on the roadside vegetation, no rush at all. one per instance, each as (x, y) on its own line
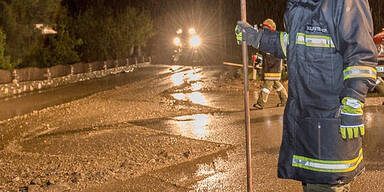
(90, 30)
(44, 33)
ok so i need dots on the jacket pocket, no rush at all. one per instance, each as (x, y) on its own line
(319, 138)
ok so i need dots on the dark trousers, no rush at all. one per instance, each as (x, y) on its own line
(307, 187)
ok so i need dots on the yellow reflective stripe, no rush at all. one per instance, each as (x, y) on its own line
(360, 72)
(361, 68)
(327, 166)
(314, 40)
(272, 74)
(360, 76)
(284, 42)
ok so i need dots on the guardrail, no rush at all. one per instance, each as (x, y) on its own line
(33, 78)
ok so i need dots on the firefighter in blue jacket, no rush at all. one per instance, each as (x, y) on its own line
(331, 61)
(271, 68)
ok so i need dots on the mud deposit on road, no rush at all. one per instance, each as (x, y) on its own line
(169, 130)
(90, 141)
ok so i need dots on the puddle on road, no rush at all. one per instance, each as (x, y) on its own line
(192, 78)
(188, 76)
(192, 126)
(190, 84)
(194, 97)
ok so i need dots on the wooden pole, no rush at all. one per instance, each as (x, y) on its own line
(246, 101)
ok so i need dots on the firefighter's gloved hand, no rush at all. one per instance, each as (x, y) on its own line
(351, 115)
(251, 35)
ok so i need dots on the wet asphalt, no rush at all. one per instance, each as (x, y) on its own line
(223, 171)
(28, 102)
(226, 172)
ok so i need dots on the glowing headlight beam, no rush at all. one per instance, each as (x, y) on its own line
(177, 41)
(179, 31)
(192, 31)
(195, 41)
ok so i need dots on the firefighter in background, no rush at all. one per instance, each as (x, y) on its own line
(331, 59)
(271, 72)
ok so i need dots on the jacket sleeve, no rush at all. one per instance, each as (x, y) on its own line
(355, 37)
(275, 43)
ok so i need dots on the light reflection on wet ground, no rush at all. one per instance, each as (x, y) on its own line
(224, 171)
(194, 97)
(228, 173)
(185, 76)
(193, 126)
(192, 78)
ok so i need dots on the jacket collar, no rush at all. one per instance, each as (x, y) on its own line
(306, 3)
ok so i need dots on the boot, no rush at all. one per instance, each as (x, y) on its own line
(258, 106)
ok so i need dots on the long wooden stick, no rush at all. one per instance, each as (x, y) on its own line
(246, 101)
(235, 64)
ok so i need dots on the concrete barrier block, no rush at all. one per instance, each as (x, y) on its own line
(110, 64)
(97, 66)
(60, 71)
(30, 74)
(5, 76)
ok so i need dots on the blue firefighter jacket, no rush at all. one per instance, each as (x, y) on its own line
(330, 55)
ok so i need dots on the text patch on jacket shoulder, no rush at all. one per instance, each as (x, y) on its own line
(316, 29)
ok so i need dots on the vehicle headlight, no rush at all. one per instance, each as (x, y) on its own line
(192, 31)
(195, 41)
(177, 41)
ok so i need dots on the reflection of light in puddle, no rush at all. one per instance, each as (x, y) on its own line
(193, 126)
(192, 75)
(176, 67)
(179, 96)
(187, 76)
(194, 97)
(200, 125)
(198, 98)
(196, 86)
(178, 79)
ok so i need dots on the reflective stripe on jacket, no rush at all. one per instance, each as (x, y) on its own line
(330, 55)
